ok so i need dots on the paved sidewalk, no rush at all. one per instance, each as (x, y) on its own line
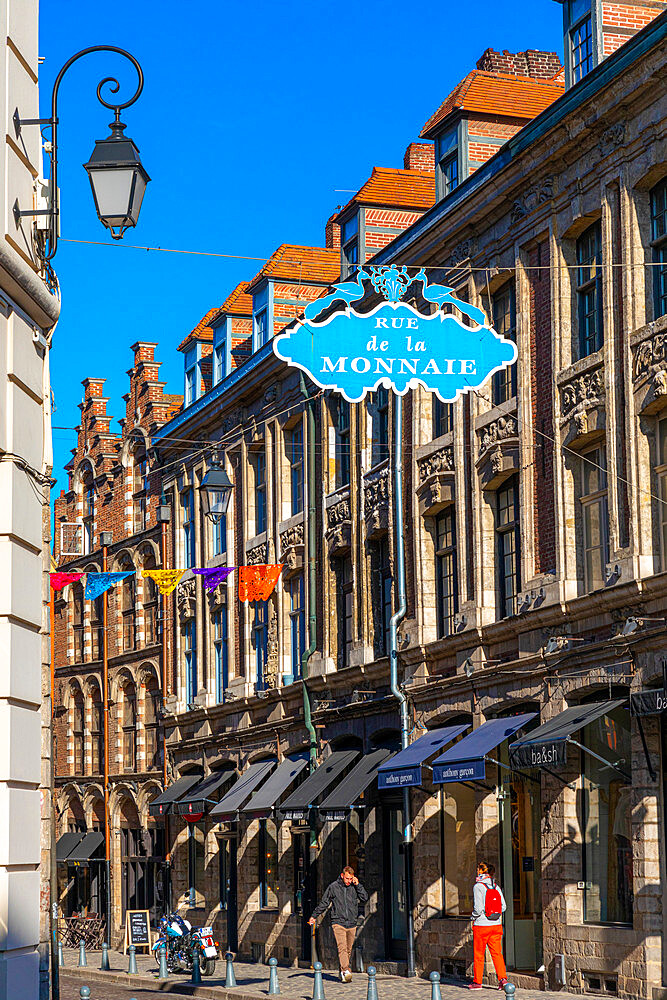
(252, 980)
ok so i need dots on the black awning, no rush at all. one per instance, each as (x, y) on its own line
(405, 768)
(199, 799)
(164, 802)
(264, 800)
(86, 848)
(296, 805)
(546, 746)
(229, 805)
(66, 843)
(337, 805)
(466, 760)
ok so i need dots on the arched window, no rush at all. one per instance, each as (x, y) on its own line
(77, 595)
(96, 731)
(128, 606)
(152, 704)
(139, 492)
(77, 732)
(129, 727)
(151, 629)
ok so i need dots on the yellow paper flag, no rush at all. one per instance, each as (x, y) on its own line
(166, 579)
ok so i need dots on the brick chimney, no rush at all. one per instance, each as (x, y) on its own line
(332, 233)
(419, 156)
(532, 62)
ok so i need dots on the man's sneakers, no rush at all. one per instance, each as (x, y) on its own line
(475, 986)
(345, 976)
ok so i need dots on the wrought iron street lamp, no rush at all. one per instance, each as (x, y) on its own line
(117, 176)
(215, 490)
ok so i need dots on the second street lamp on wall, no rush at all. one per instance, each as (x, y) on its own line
(215, 490)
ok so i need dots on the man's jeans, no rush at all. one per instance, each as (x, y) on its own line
(345, 943)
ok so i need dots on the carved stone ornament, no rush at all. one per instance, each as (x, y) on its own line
(531, 198)
(217, 596)
(291, 547)
(438, 461)
(584, 393)
(463, 251)
(376, 502)
(186, 596)
(500, 430)
(230, 421)
(257, 555)
(611, 138)
(271, 670)
(339, 525)
(650, 369)
(436, 480)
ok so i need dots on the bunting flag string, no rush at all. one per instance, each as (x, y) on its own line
(60, 580)
(97, 583)
(256, 583)
(166, 579)
(213, 576)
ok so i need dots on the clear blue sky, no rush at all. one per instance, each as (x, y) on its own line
(252, 115)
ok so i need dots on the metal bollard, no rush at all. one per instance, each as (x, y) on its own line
(162, 952)
(510, 989)
(230, 978)
(84, 993)
(61, 955)
(435, 986)
(274, 985)
(132, 965)
(318, 985)
(105, 967)
(372, 985)
(196, 969)
(82, 953)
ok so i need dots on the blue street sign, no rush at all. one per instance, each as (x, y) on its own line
(394, 344)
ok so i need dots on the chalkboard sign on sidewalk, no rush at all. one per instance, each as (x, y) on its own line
(137, 930)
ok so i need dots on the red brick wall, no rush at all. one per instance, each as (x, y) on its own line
(621, 21)
(332, 233)
(419, 156)
(542, 408)
(241, 348)
(532, 62)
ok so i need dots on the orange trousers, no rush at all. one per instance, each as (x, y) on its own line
(491, 937)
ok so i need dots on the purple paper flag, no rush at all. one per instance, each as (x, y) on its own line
(214, 576)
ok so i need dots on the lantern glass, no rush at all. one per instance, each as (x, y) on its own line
(215, 490)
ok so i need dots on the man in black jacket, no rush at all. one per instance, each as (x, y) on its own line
(343, 896)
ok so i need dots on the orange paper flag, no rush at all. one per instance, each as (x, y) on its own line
(256, 583)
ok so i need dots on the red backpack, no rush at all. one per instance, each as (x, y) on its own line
(493, 903)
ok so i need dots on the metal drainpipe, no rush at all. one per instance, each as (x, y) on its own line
(312, 597)
(393, 664)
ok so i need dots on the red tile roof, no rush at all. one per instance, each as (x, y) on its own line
(202, 331)
(396, 189)
(497, 94)
(239, 303)
(312, 265)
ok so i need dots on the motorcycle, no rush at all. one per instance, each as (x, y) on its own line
(183, 942)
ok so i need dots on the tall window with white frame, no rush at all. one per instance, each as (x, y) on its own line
(139, 489)
(297, 623)
(96, 626)
(261, 329)
(589, 290)
(349, 239)
(659, 247)
(580, 37)
(661, 473)
(295, 457)
(152, 705)
(508, 562)
(151, 605)
(191, 376)
(190, 652)
(88, 515)
(220, 355)
(129, 708)
(446, 582)
(78, 733)
(220, 653)
(378, 409)
(188, 521)
(260, 642)
(129, 607)
(97, 731)
(503, 387)
(77, 596)
(341, 417)
(443, 417)
(594, 517)
(447, 171)
(259, 464)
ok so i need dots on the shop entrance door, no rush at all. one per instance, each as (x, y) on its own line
(303, 899)
(227, 875)
(519, 805)
(394, 882)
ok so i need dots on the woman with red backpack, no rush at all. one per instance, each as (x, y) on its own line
(487, 929)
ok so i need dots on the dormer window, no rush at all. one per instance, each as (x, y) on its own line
(447, 158)
(261, 329)
(349, 241)
(190, 376)
(220, 353)
(580, 34)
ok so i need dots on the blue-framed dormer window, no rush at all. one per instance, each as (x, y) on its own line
(191, 380)
(221, 348)
(448, 173)
(262, 316)
(580, 47)
(349, 242)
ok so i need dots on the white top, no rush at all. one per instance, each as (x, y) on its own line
(479, 917)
